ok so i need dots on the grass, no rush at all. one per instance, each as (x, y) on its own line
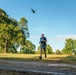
(51, 58)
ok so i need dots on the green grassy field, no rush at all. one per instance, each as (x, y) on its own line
(51, 58)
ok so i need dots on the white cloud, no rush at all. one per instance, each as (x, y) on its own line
(63, 37)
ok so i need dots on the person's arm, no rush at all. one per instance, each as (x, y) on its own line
(46, 40)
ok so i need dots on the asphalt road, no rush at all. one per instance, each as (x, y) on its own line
(11, 67)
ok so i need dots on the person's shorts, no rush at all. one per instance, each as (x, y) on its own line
(43, 47)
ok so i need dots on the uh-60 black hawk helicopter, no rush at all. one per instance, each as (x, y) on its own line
(33, 11)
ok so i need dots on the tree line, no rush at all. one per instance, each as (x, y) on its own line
(69, 47)
(14, 34)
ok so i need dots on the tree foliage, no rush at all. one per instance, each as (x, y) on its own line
(49, 49)
(70, 46)
(58, 51)
(28, 48)
(12, 32)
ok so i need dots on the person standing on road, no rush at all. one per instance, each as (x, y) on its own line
(42, 42)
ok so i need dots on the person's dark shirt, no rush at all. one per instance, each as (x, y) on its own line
(43, 42)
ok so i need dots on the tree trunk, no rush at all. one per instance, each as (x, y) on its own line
(5, 47)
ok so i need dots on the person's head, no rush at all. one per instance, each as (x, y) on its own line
(42, 35)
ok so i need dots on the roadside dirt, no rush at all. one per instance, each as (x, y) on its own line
(11, 67)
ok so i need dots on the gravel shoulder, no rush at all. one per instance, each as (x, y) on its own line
(37, 68)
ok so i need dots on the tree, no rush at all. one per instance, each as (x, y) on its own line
(70, 45)
(28, 48)
(74, 47)
(49, 49)
(75, 44)
(8, 35)
(4, 29)
(12, 32)
(58, 52)
(24, 27)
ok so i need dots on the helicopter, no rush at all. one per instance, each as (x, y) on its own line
(33, 11)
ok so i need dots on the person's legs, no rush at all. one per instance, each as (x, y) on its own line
(41, 52)
(45, 51)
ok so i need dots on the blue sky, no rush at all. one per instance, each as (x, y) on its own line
(55, 18)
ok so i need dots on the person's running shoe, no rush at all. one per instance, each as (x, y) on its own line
(40, 57)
